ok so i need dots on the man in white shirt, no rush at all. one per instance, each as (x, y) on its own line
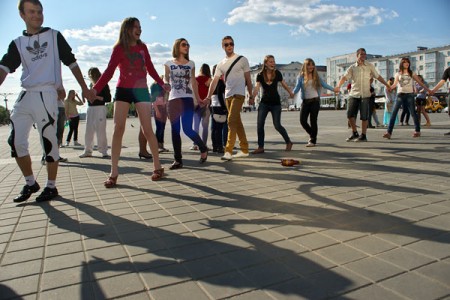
(236, 80)
(40, 51)
(360, 74)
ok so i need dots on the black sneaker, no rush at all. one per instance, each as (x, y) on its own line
(361, 138)
(47, 194)
(26, 192)
(353, 137)
(62, 159)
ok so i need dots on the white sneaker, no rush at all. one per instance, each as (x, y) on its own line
(85, 154)
(240, 154)
(227, 156)
(67, 144)
(194, 147)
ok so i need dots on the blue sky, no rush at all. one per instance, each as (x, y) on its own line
(291, 30)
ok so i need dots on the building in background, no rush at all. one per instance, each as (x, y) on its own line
(290, 72)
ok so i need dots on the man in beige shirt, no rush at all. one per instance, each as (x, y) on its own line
(360, 74)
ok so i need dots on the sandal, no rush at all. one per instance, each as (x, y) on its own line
(387, 135)
(416, 134)
(203, 159)
(158, 174)
(110, 182)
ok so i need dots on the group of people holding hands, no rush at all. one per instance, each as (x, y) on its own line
(37, 103)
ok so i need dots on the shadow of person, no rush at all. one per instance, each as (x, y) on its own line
(187, 257)
(8, 293)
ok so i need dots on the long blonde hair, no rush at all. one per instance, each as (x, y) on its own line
(315, 75)
(124, 35)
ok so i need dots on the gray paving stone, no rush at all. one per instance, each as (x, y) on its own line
(341, 254)
(64, 277)
(165, 275)
(374, 269)
(21, 286)
(186, 290)
(226, 285)
(22, 256)
(439, 271)
(19, 270)
(118, 286)
(414, 286)
(75, 292)
(404, 258)
(373, 292)
(349, 222)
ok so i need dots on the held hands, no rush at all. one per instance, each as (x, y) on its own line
(337, 90)
(91, 94)
(167, 87)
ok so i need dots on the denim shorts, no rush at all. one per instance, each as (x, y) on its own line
(361, 104)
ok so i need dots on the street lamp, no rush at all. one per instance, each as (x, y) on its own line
(6, 100)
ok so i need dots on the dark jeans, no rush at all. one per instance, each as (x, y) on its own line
(219, 133)
(310, 107)
(60, 124)
(405, 115)
(371, 107)
(408, 103)
(159, 132)
(73, 128)
(181, 113)
(263, 110)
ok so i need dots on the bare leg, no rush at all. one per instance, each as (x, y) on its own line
(142, 143)
(24, 164)
(352, 124)
(144, 110)
(120, 118)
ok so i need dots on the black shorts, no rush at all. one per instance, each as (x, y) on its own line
(421, 101)
(135, 95)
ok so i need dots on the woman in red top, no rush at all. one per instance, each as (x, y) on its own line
(202, 113)
(131, 55)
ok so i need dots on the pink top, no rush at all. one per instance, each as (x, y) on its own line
(133, 67)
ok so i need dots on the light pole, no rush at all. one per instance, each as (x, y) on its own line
(6, 100)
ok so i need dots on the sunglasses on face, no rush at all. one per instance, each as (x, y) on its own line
(185, 45)
(228, 44)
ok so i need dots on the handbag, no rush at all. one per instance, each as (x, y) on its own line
(219, 118)
(219, 114)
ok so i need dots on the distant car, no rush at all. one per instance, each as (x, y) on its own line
(433, 105)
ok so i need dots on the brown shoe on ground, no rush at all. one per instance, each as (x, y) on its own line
(258, 151)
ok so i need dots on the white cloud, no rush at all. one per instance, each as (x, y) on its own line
(108, 32)
(153, 18)
(305, 16)
(94, 55)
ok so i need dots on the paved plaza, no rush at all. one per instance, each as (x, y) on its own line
(351, 221)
